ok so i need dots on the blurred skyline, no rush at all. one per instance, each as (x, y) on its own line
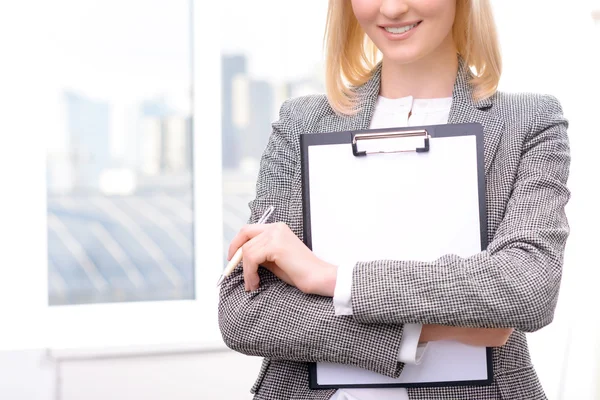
(119, 159)
(120, 162)
(124, 231)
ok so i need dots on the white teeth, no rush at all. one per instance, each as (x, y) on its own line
(402, 29)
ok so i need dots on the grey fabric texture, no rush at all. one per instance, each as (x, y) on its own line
(513, 283)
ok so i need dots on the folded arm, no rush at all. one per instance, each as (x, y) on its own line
(416, 336)
(512, 284)
(279, 321)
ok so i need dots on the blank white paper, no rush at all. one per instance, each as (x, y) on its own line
(401, 206)
(444, 361)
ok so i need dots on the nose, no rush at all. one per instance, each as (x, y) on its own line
(392, 9)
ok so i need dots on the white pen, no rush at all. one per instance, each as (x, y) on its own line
(237, 257)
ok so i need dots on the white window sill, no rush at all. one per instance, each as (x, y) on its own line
(137, 351)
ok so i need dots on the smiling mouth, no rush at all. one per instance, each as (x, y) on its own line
(402, 29)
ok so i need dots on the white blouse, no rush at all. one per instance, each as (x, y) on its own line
(391, 113)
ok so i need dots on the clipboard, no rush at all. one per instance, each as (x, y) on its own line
(428, 177)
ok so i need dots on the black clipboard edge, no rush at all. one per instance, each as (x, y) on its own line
(307, 140)
(435, 131)
(313, 385)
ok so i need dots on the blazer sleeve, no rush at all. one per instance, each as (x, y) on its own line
(278, 321)
(512, 284)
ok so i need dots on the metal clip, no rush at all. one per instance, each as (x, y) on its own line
(390, 135)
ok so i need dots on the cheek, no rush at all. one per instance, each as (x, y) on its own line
(440, 14)
(440, 10)
(365, 11)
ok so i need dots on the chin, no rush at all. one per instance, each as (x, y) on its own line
(402, 57)
(403, 53)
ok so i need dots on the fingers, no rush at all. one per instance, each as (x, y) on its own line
(254, 253)
(246, 233)
(258, 247)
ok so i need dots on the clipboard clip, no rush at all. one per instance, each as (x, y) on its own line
(390, 135)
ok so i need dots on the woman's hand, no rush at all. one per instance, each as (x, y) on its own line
(278, 249)
(485, 337)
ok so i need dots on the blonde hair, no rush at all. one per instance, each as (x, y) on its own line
(351, 56)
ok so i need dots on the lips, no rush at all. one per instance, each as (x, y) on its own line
(400, 32)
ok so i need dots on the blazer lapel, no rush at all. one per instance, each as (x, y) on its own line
(463, 110)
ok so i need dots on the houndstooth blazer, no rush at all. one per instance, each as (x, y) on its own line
(513, 283)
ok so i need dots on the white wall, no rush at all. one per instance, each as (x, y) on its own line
(26, 375)
(215, 376)
(30, 375)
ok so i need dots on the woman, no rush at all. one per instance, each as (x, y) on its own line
(439, 64)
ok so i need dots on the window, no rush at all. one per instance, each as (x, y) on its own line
(120, 161)
(114, 208)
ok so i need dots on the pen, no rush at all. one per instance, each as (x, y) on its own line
(237, 257)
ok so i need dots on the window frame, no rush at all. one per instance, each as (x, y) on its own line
(175, 323)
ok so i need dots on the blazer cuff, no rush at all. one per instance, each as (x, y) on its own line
(411, 352)
(342, 294)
